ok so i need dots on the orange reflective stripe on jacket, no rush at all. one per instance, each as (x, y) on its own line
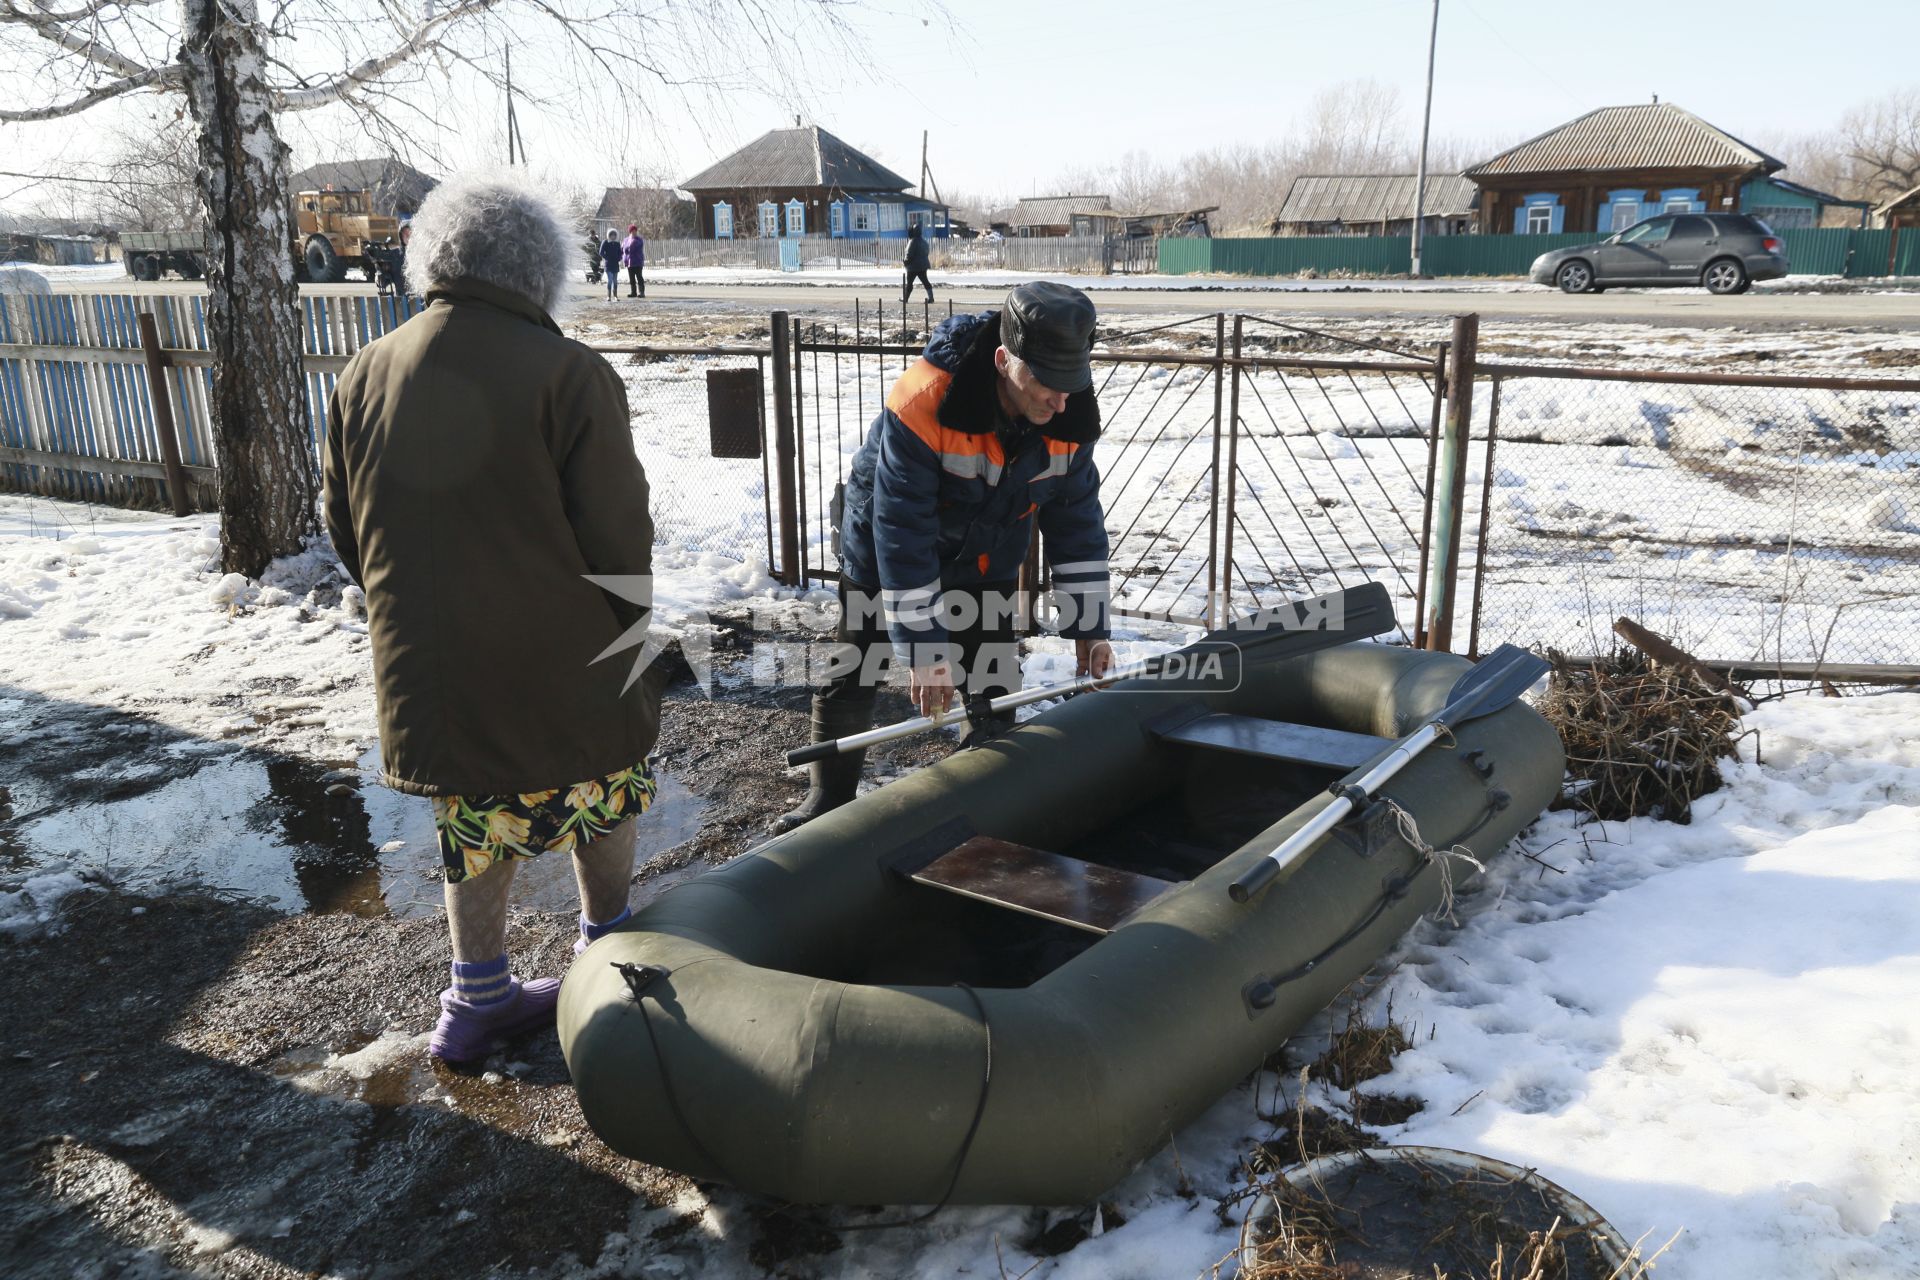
(915, 400)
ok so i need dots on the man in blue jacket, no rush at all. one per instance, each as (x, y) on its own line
(987, 435)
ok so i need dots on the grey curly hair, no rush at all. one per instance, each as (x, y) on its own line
(481, 226)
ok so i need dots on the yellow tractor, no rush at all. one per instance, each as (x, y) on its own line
(336, 230)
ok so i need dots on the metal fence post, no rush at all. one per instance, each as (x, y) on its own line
(163, 414)
(785, 467)
(1233, 475)
(1450, 485)
(1213, 610)
(1426, 507)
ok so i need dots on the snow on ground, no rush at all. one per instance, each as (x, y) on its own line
(1698, 1029)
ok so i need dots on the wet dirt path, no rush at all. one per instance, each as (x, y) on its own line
(233, 1081)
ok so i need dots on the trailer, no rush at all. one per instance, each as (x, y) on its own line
(148, 255)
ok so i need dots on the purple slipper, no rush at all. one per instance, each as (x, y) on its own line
(468, 1032)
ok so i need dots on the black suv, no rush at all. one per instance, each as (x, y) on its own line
(1724, 252)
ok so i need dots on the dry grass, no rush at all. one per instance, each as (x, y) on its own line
(1641, 740)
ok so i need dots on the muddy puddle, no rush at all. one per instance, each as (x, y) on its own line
(146, 807)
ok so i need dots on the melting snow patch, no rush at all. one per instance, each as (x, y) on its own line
(387, 1049)
(32, 908)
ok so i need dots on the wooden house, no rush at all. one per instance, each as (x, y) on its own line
(1375, 204)
(1068, 215)
(806, 182)
(1615, 166)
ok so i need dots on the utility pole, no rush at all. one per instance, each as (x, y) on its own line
(1426, 122)
(513, 123)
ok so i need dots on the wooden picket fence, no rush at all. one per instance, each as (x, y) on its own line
(78, 415)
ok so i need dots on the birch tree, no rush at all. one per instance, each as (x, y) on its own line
(239, 67)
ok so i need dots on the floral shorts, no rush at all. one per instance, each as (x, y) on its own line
(478, 831)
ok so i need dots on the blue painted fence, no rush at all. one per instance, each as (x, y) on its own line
(73, 383)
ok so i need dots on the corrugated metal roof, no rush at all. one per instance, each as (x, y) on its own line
(1055, 211)
(395, 184)
(1654, 135)
(623, 202)
(1896, 201)
(806, 157)
(1373, 197)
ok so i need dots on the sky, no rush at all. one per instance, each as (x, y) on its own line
(1015, 94)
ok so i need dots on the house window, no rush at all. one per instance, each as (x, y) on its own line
(893, 217)
(837, 218)
(1539, 214)
(1682, 200)
(722, 220)
(1783, 217)
(769, 219)
(1622, 211)
(866, 217)
(796, 218)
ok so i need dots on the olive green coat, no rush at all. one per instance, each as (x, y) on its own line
(478, 466)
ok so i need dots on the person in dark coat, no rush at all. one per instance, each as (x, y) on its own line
(988, 435)
(478, 468)
(611, 253)
(917, 257)
(634, 250)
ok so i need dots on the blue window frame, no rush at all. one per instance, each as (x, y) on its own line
(722, 220)
(1622, 210)
(796, 218)
(837, 219)
(1540, 214)
(1682, 200)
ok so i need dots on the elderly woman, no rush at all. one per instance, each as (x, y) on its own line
(479, 467)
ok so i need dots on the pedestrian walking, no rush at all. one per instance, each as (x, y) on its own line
(917, 258)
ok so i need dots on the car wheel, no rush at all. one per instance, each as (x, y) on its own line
(146, 267)
(1724, 275)
(1574, 277)
(323, 264)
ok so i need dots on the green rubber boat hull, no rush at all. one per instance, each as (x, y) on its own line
(807, 1041)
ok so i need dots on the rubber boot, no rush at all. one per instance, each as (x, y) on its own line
(833, 781)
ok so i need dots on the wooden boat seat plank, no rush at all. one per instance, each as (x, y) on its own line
(1278, 740)
(1051, 886)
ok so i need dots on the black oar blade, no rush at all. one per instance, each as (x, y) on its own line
(1303, 626)
(1496, 681)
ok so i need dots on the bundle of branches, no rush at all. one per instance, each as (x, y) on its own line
(1384, 1218)
(1642, 740)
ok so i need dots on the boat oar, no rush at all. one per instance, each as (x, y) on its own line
(1496, 681)
(1288, 631)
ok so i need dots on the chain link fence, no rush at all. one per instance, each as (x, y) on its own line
(701, 502)
(1765, 521)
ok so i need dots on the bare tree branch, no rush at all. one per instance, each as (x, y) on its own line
(56, 29)
(423, 37)
(154, 77)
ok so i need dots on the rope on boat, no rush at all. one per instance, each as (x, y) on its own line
(1443, 859)
(966, 1143)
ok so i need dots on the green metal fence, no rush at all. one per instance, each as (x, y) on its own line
(1820, 252)
(1490, 255)
(1907, 256)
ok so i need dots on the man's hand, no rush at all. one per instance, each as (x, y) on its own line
(1092, 658)
(931, 688)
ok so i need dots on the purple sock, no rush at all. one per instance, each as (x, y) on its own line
(594, 932)
(484, 983)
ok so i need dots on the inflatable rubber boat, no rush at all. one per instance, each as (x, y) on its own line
(1011, 976)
